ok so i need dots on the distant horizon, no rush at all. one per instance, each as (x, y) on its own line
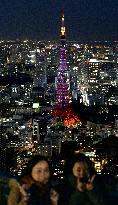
(54, 40)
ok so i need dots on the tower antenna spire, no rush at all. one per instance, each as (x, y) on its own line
(63, 30)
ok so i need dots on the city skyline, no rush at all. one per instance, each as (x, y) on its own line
(85, 20)
(58, 86)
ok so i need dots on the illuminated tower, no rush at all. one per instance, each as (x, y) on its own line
(63, 109)
(62, 80)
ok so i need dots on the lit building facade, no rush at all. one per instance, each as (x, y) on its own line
(101, 77)
(2, 149)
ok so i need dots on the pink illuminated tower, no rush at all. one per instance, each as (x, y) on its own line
(62, 80)
(62, 108)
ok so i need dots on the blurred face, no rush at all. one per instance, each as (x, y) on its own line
(41, 172)
(80, 169)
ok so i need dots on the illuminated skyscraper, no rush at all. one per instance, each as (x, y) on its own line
(2, 150)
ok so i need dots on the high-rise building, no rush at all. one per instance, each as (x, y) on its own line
(2, 150)
(101, 77)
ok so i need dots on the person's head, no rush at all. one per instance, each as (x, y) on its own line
(80, 166)
(80, 169)
(38, 168)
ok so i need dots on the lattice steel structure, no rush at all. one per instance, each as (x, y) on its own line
(62, 80)
(63, 109)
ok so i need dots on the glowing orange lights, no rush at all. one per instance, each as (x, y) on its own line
(62, 17)
(69, 119)
(62, 26)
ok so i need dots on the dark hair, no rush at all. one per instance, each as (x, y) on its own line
(32, 162)
(78, 158)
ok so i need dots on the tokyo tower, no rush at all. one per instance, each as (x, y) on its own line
(62, 108)
(62, 80)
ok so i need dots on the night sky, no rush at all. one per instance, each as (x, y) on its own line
(40, 19)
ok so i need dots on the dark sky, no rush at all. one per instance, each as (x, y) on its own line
(40, 19)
